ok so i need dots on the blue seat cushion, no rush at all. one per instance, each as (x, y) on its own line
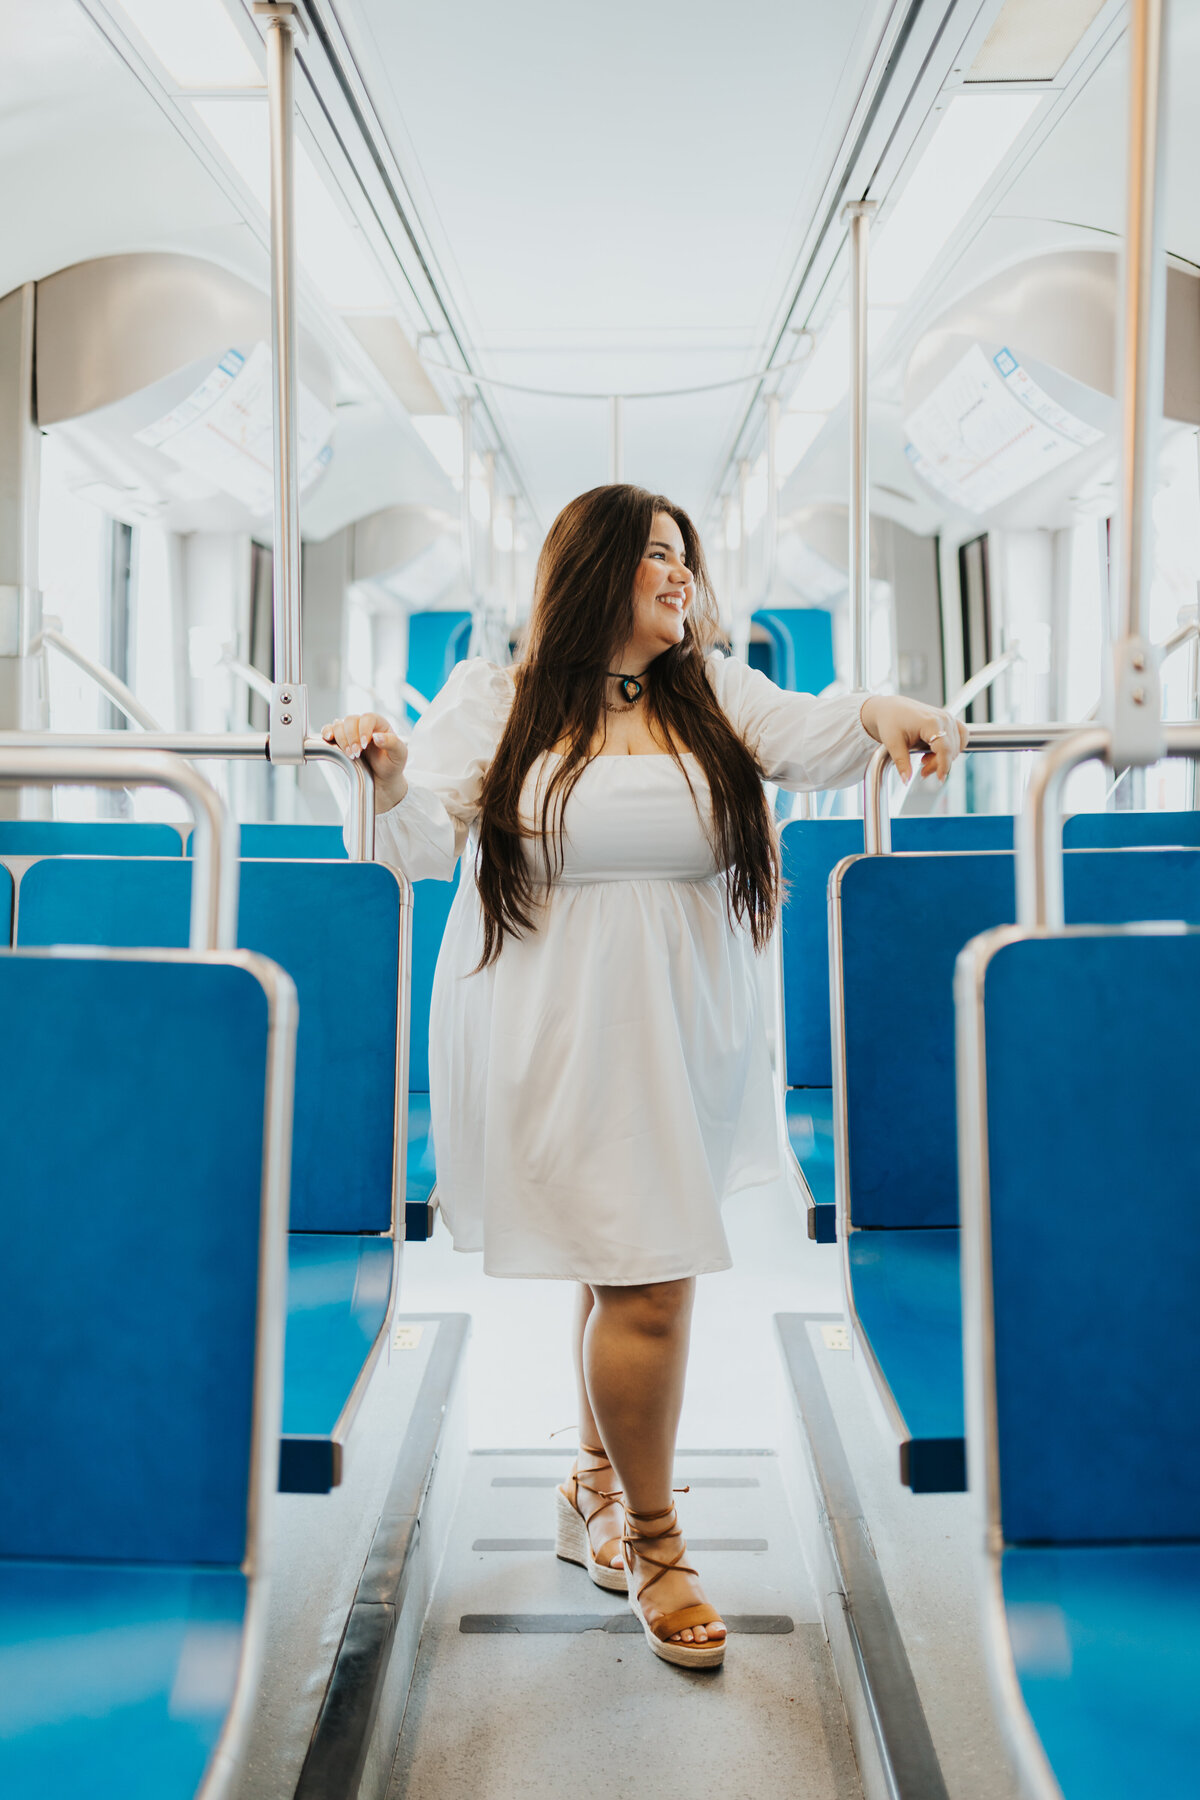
(114, 1681)
(809, 1114)
(337, 1300)
(905, 1286)
(1106, 1642)
(421, 1172)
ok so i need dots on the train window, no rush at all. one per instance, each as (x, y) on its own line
(974, 589)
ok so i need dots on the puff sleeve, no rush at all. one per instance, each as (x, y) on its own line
(801, 740)
(448, 755)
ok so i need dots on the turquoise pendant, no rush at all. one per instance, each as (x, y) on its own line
(631, 689)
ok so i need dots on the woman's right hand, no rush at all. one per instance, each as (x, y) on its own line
(370, 736)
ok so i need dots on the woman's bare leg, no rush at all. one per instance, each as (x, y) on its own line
(635, 1349)
(604, 1522)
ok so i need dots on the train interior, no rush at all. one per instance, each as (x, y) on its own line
(313, 314)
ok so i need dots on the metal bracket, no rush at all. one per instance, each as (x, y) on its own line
(284, 10)
(289, 722)
(1131, 705)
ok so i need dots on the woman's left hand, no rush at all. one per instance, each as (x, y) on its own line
(903, 725)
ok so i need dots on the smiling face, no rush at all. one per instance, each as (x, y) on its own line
(663, 591)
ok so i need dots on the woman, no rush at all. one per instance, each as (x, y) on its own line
(599, 1075)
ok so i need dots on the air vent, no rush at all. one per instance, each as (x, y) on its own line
(1031, 41)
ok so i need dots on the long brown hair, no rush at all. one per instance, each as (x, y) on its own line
(582, 617)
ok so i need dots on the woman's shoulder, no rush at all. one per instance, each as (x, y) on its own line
(477, 685)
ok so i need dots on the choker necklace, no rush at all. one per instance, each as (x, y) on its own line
(631, 687)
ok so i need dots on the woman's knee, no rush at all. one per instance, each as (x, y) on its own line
(653, 1309)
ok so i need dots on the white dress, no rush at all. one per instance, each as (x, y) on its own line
(599, 1089)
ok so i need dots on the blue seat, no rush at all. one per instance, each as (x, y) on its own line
(898, 923)
(809, 1116)
(432, 901)
(1081, 1269)
(303, 842)
(811, 849)
(141, 1333)
(909, 1304)
(1126, 830)
(83, 837)
(337, 928)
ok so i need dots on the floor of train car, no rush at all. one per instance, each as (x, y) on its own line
(588, 1712)
(529, 1679)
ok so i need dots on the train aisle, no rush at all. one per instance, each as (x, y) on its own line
(530, 1679)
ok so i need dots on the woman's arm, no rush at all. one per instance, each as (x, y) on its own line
(427, 792)
(824, 741)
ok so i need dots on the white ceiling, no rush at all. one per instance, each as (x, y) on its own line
(615, 199)
(616, 196)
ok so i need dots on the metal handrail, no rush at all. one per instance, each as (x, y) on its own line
(877, 823)
(1040, 822)
(980, 682)
(215, 837)
(858, 215)
(231, 747)
(121, 696)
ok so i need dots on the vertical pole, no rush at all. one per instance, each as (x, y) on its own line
(489, 472)
(1134, 701)
(616, 438)
(741, 610)
(771, 540)
(859, 215)
(510, 512)
(466, 418)
(289, 703)
(22, 672)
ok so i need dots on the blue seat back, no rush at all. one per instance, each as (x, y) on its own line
(903, 921)
(1124, 830)
(82, 837)
(1092, 1046)
(799, 645)
(6, 905)
(432, 901)
(132, 1097)
(436, 641)
(335, 928)
(303, 841)
(811, 848)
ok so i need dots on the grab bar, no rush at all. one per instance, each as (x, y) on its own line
(228, 747)
(213, 923)
(1040, 822)
(877, 823)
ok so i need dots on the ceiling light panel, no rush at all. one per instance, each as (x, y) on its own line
(196, 42)
(1030, 41)
(975, 134)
